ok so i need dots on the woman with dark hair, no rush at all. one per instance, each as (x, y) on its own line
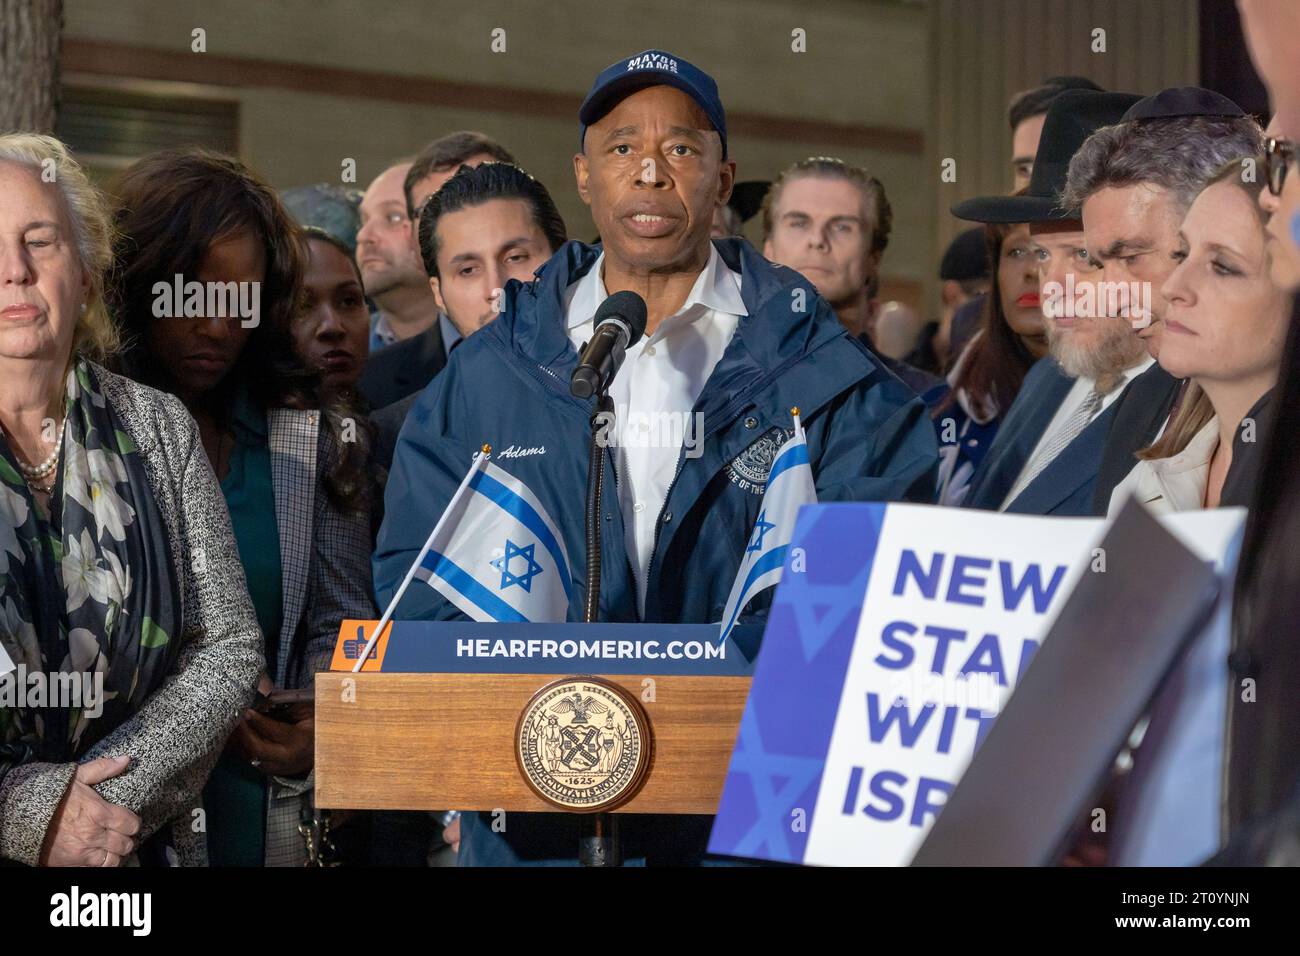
(331, 329)
(987, 375)
(206, 283)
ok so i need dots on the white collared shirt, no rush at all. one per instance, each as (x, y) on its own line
(381, 332)
(655, 391)
(1075, 397)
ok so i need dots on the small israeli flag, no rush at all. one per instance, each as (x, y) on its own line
(789, 485)
(496, 554)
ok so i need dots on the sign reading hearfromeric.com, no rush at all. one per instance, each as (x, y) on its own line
(896, 636)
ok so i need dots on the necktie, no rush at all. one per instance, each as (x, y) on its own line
(1076, 423)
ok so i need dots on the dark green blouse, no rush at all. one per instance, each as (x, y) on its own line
(235, 797)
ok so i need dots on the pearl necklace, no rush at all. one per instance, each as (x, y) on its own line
(44, 487)
(37, 472)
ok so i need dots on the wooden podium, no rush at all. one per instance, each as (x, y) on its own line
(430, 721)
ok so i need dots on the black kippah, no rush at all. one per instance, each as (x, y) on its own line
(1183, 101)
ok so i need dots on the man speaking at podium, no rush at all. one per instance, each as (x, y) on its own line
(732, 343)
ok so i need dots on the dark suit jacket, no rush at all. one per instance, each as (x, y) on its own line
(403, 368)
(388, 422)
(1242, 479)
(1139, 413)
(1064, 487)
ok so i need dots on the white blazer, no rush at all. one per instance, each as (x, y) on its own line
(1166, 485)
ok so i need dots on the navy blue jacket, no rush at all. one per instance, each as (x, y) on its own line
(1064, 487)
(869, 438)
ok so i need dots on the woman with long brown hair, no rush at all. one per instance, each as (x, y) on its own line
(988, 374)
(207, 282)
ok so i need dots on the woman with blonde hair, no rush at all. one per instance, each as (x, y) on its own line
(1225, 329)
(119, 576)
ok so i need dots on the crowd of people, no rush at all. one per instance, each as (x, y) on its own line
(231, 417)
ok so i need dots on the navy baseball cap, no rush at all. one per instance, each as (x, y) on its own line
(652, 68)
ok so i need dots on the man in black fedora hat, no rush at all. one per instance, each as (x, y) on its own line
(1133, 183)
(1045, 456)
(1026, 114)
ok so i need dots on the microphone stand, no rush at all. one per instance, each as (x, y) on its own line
(598, 844)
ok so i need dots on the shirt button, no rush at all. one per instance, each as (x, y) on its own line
(650, 350)
(751, 422)
(638, 507)
(668, 516)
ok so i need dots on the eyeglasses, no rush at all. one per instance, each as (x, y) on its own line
(1278, 155)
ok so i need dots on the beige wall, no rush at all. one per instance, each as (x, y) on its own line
(940, 71)
(865, 67)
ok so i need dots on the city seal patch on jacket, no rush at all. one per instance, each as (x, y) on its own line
(748, 471)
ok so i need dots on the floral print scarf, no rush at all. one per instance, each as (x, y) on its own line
(90, 592)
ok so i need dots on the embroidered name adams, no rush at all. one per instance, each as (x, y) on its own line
(515, 451)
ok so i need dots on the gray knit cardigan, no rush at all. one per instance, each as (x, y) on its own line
(174, 739)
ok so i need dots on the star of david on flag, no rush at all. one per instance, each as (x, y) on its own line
(789, 486)
(524, 578)
(495, 552)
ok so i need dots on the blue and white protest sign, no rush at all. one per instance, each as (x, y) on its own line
(789, 487)
(897, 634)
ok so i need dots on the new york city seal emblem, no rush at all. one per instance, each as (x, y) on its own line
(583, 744)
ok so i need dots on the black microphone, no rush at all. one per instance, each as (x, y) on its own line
(618, 325)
